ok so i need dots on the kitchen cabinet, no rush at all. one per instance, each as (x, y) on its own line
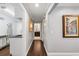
(3, 41)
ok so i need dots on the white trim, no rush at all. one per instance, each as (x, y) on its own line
(22, 6)
(50, 7)
(29, 47)
(46, 49)
(63, 54)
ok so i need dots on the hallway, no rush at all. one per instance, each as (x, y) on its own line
(39, 29)
(37, 49)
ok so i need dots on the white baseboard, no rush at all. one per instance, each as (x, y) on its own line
(63, 54)
(46, 49)
(60, 54)
(29, 47)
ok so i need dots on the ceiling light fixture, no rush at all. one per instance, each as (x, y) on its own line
(36, 5)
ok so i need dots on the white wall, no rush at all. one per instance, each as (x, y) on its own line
(27, 36)
(45, 32)
(17, 27)
(55, 42)
(20, 46)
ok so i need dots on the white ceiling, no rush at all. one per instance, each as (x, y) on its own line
(37, 13)
(8, 8)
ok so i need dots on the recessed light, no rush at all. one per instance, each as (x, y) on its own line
(36, 5)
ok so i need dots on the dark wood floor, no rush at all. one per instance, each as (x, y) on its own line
(37, 49)
(5, 51)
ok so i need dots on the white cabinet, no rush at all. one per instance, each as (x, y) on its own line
(16, 46)
(7, 41)
(3, 42)
(17, 28)
(0, 43)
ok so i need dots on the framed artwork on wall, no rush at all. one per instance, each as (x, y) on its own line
(70, 26)
(30, 25)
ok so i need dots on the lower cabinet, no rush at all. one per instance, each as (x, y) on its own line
(17, 47)
(0, 43)
(3, 42)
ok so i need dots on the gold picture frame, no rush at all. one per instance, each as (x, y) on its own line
(70, 26)
(30, 25)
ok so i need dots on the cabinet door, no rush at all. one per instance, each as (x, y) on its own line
(7, 41)
(3, 42)
(0, 43)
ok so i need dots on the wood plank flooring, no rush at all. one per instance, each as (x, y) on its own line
(5, 52)
(37, 49)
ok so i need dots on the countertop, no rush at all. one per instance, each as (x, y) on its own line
(13, 36)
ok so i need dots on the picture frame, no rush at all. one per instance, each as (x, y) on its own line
(30, 25)
(70, 26)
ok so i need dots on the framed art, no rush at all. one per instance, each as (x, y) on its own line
(30, 25)
(70, 26)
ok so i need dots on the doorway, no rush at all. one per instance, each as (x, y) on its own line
(37, 31)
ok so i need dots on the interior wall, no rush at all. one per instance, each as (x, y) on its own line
(17, 45)
(55, 42)
(42, 26)
(41, 30)
(27, 36)
(45, 32)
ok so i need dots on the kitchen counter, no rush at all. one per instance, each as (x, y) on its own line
(16, 36)
(3, 36)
